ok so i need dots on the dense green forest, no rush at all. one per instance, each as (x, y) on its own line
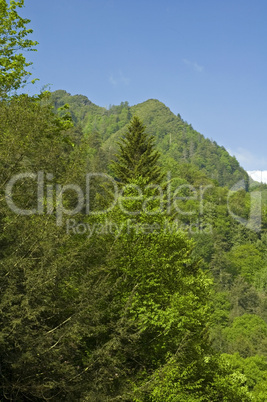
(174, 138)
(133, 260)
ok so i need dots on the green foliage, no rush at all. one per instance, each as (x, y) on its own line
(159, 303)
(102, 317)
(177, 141)
(246, 260)
(255, 370)
(13, 41)
(231, 253)
(34, 312)
(247, 335)
(218, 382)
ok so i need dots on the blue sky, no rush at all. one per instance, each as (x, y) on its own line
(206, 60)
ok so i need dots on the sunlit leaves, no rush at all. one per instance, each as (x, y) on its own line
(13, 43)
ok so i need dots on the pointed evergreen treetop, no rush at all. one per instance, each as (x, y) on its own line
(137, 156)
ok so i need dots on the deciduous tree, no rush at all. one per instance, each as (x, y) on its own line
(13, 42)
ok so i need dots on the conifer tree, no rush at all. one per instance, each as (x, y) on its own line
(137, 156)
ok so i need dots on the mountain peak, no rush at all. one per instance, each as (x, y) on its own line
(177, 141)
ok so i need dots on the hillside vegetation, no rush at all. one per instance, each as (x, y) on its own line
(177, 141)
(133, 260)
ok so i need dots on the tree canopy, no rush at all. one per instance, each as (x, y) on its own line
(13, 42)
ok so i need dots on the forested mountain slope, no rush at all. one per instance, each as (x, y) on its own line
(177, 141)
(160, 296)
(232, 252)
(95, 307)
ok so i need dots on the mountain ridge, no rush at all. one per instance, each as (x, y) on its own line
(178, 142)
